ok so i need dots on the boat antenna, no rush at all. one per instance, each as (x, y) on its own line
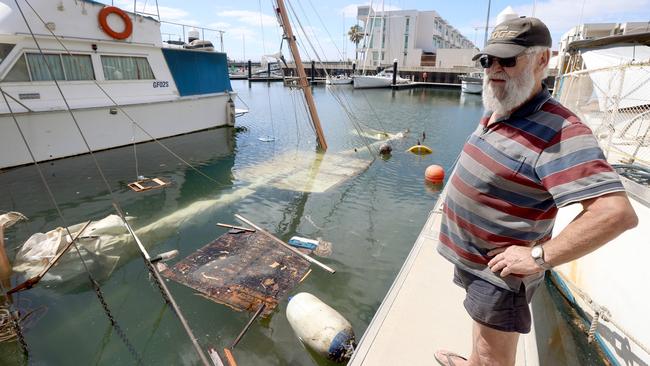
(487, 22)
(304, 84)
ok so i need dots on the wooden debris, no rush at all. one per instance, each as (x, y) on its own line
(147, 184)
(242, 271)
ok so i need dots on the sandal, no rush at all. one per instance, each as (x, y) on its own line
(444, 357)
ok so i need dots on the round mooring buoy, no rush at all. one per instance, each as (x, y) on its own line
(385, 149)
(320, 327)
(434, 174)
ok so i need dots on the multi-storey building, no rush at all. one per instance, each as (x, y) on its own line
(409, 36)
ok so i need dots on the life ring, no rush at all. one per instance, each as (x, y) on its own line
(103, 22)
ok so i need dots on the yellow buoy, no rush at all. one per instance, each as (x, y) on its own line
(420, 150)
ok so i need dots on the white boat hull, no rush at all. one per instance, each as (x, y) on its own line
(338, 81)
(472, 87)
(366, 81)
(615, 277)
(53, 134)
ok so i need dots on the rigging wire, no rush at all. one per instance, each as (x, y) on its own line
(326, 30)
(268, 90)
(164, 291)
(92, 280)
(342, 101)
(119, 108)
(334, 93)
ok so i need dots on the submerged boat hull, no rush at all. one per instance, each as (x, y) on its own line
(53, 134)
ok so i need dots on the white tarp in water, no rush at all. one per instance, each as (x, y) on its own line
(616, 71)
(96, 245)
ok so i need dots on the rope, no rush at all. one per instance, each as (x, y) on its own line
(94, 283)
(127, 115)
(601, 312)
(352, 118)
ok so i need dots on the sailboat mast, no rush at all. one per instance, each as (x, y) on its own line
(304, 84)
(487, 22)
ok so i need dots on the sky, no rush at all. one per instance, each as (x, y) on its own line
(251, 29)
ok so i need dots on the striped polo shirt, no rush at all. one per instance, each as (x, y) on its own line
(510, 180)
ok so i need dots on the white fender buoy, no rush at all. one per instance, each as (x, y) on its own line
(320, 327)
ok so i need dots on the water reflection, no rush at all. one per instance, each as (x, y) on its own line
(372, 218)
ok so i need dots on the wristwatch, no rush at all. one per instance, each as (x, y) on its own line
(538, 255)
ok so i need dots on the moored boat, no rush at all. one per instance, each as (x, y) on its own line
(472, 83)
(383, 79)
(606, 82)
(121, 88)
(338, 80)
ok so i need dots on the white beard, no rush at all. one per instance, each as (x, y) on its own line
(514, 93)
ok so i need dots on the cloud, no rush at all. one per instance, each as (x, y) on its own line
(251, 18)
(562, 15)
(350, 11)
(219, 25)
(166, 12)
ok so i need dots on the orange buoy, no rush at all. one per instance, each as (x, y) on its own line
(434, 174)
(103, 22)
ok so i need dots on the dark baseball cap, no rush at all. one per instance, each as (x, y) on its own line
(512, 37)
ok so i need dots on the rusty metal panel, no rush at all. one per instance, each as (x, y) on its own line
(241, 270)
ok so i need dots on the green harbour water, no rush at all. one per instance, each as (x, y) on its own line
(372, 220)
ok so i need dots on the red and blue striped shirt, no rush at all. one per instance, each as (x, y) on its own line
(510, 180)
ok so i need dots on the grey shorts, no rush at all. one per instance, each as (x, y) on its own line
(492, 305)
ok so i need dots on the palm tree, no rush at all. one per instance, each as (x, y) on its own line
(356, 35)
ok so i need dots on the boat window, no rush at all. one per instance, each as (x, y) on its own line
(38, 67)
(78, 67)
(63, 67)
(126, 68)
(19, 71)
(5, 48)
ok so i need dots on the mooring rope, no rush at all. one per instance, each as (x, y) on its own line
(143, 252)
(601, 312)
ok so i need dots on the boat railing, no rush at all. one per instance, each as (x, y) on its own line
(613, 101)
(185, 28)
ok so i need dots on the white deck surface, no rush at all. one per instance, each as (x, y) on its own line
(423, 312)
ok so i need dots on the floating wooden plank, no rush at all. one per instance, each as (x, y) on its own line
(242, 271)
(147, 184)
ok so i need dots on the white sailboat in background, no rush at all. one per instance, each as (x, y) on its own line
(338, 80)
(472, 83)
(383, 79)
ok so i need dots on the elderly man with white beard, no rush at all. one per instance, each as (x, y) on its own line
(528, 157)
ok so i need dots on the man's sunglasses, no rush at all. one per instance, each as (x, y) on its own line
(487, 61)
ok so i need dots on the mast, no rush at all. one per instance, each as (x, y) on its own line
(487, 21)
(304, 84)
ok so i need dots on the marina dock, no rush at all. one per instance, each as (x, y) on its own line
(423, 312)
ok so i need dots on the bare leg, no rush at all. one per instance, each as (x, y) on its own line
(492, 347)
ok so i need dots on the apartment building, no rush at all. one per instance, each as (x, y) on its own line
(409, 36)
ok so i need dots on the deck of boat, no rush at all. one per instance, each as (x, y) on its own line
(423, 312)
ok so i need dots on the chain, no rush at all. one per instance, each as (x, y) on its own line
(154, 279)
(116, 326)
(19, 333)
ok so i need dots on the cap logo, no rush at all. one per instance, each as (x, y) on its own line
(501, 34)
